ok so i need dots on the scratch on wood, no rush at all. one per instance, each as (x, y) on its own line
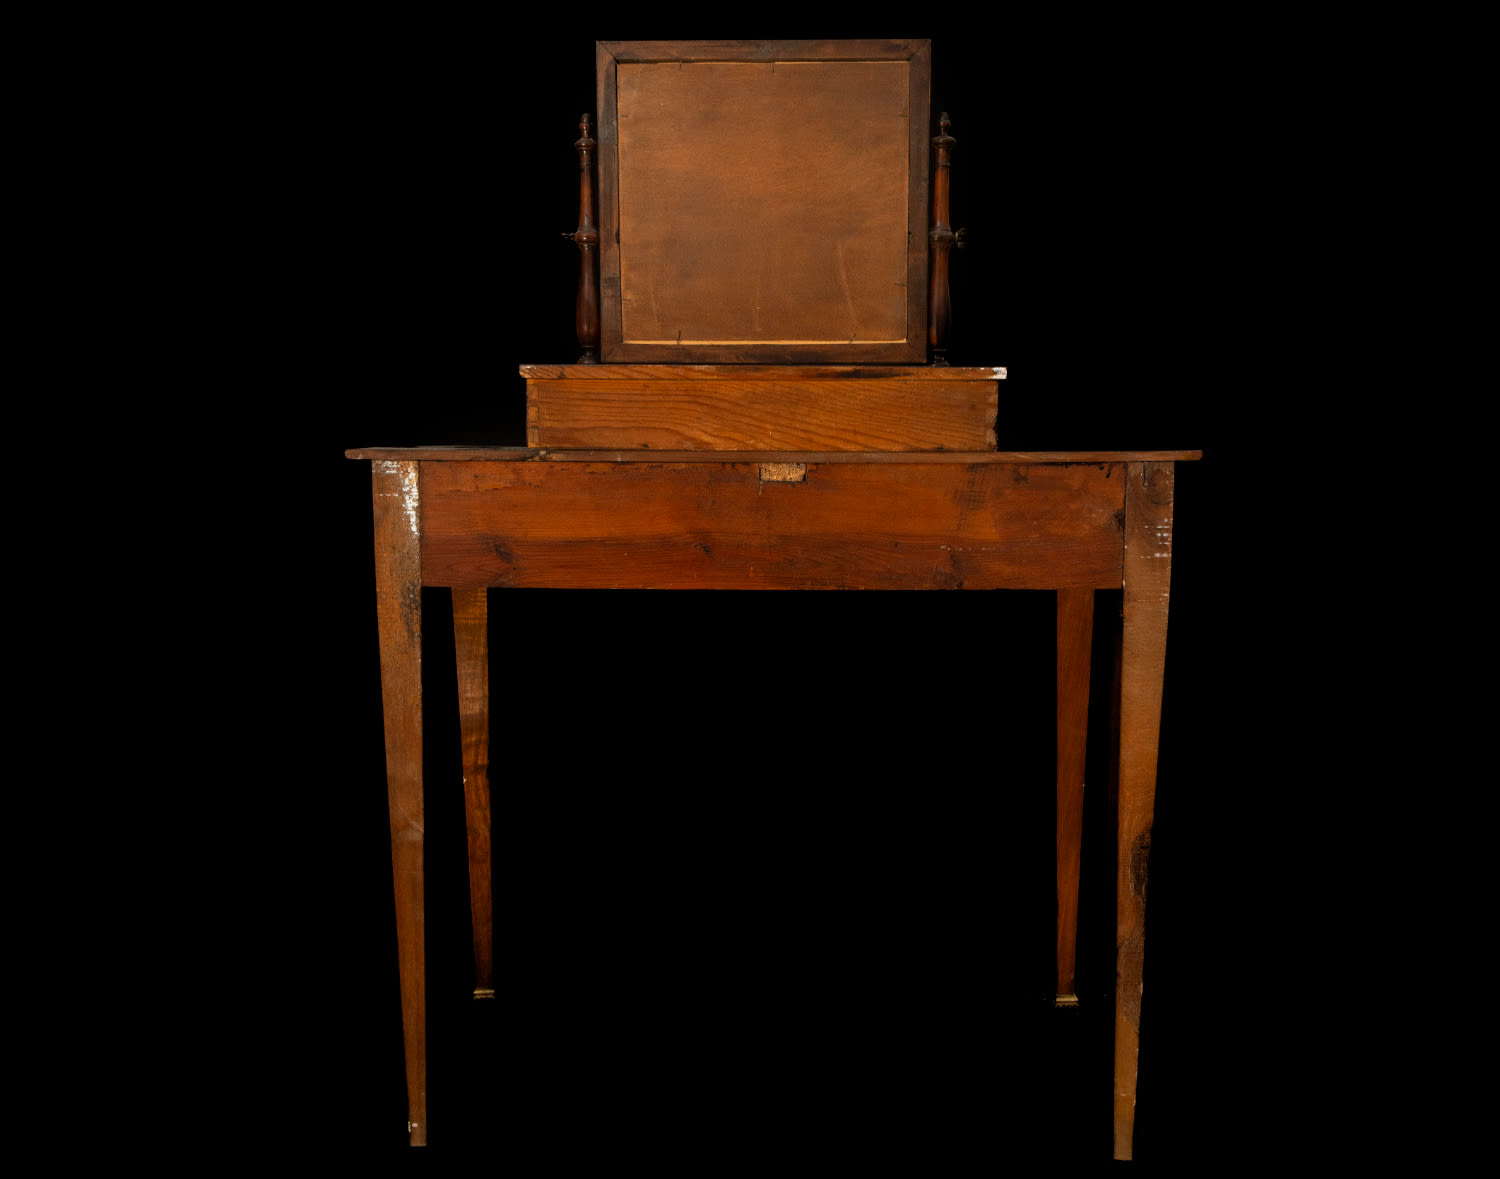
(842, 271)
(410, 503)
(411, 830)
(410, 498)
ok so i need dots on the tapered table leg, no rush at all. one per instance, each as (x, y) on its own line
(1147, 583)
(1075, 629)
(398, 592)
(471, 642)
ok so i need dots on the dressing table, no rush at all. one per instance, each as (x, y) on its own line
(762, 402)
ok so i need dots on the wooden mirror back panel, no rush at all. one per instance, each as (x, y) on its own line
(764, 201)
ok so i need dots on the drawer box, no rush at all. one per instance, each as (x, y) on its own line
(753, 407)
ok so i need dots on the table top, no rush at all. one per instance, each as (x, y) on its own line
(515, 454)
(760, 372)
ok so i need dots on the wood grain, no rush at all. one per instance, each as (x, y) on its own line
(1147, 587)
(398, 590)
(720, 526)
(947, 458)
(747, 414)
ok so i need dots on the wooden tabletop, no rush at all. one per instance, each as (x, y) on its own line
(518, 454)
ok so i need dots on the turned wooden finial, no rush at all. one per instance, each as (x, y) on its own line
(941, 239)
(587, 239)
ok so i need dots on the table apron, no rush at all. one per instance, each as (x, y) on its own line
(747, 525)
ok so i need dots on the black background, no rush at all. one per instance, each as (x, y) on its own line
(773, 873)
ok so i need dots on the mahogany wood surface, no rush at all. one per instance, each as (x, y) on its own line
(1147, 588)
(780, 413)
(764, 201)
(1075, 629)
(724, 526)
(524, 454)
(398, 588)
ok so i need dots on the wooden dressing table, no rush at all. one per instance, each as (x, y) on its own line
(769, 463)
